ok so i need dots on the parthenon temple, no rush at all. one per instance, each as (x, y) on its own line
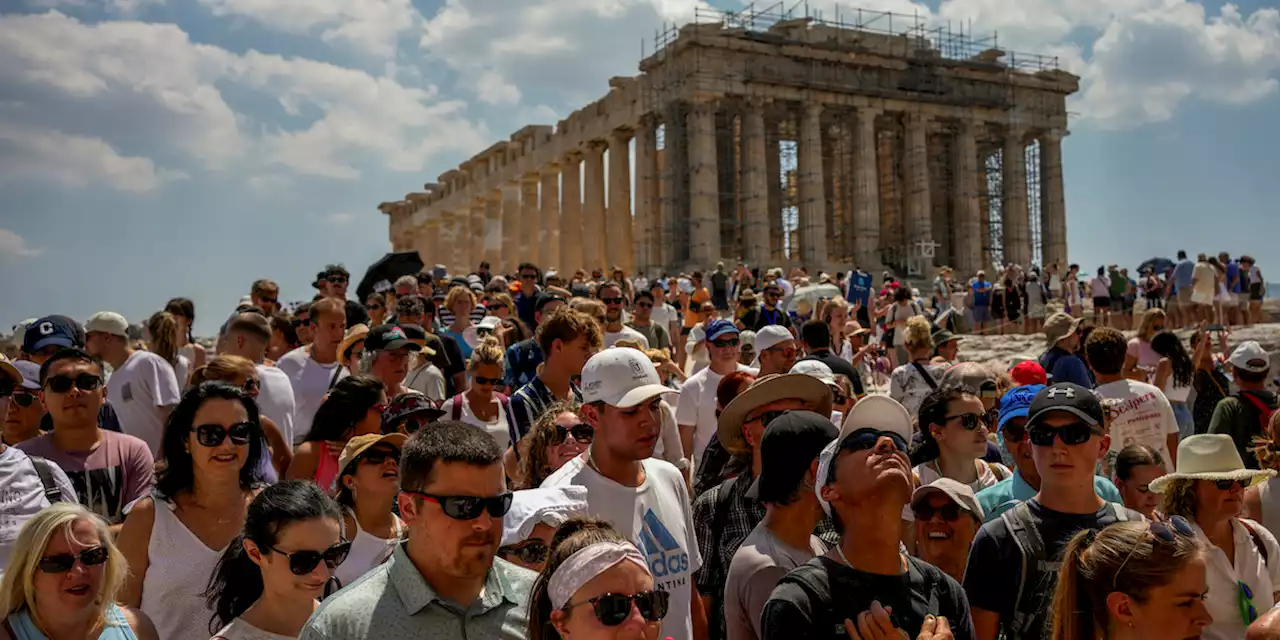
(776, 141)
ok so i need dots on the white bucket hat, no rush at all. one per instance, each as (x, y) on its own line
(1210, 457)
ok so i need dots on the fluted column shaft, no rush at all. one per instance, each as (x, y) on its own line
(813, 200)
(593, 210)
(491, 233)
(432, 243)
(704, 186)
(646, 191)
(755, 184)
(919, 196)
(967, 218)
(510, 227)
(1053, 203)
(619, 246)
(1016, 222)
(571, 257)
(528, 245)
(449, 233)
(475, 233)
(549, 233)
(866, 191)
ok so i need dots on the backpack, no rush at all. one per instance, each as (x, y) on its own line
(512, 431)
(1038, 570)
(44, 469)
(1264, 412)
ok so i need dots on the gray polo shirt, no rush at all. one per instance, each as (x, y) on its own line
(394, 601)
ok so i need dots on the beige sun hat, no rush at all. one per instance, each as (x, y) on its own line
(1209, 456)
(1059, 326)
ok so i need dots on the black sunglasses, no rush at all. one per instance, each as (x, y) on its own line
(581, 432)
(302, 322)
(269, 300)
(336, 279)
(483, 380)
(212, 435)
(731, 342)
(24, 399)
(864, 439)
(303, 562)
(379, 455)
(644, 305)
(1014, 432)
(970, 421)
(83, 382)
(251, 385)
(950, 512)
(1166, 532)
(467, 507)
(1072, 434)
(611, 300)
(767, 417)
(612, 609)
(1227, 485)
(530, 551)
(63, 562)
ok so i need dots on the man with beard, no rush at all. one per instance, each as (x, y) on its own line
(654, 333)
(611, 295)
(867, 585)
(643, 497)
(338, 279)
(443, 581)
(947, 517)
(388, 348)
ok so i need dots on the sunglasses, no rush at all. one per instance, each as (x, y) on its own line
(950, 512)
(303, 562)
(302, 322)
(864, 439)
(611, 300)
(528, 276)
(644, 305)
(380, 455)
(1072, 434)
(269, 300)
(212, 435)
(970, 421)
(1014, 432)
(529, 552)
(483, 380)
(63, 562)
(336, 280)
(83, 382)
(1227, 485)
(252, 384)
(375, 307)
(467, 507)
(725, 344)
(612, 609)
(1167, 533)
(24, 399)
(581, 432)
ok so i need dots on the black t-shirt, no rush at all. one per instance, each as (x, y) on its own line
(719, 285)
(813, 600)
(839, 365)
(995, 587)
(767, 317)
(356, 314)
(456, 364)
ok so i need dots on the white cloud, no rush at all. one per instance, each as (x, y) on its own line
(341, 219)
(14, 246)
(369, 26)
(28, 155)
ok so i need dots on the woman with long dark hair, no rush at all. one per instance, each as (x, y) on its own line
(953, 440)
(268, 581)
(353, 407)
(184, 313)
(367, 489)
(558, 436)
(1175, 375)
(240, 372)
(172, 540)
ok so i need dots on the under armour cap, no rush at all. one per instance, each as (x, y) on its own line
(52, 331)
(108, 322)
(1250, 356)
(1069, 398)
(621, 378)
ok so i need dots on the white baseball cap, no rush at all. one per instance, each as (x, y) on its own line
(621, 378)
(816, 369)
(108, 322)
(881, 413)
(770, 336)
(1250, 356)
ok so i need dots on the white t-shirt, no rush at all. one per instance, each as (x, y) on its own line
(138, 390)
(311, 381)
(697, 406)
(1222, 576)
(669, 447)
(497, 428)
(241, 630)
(665, 314)
(627, 333)
(275, 399)
(656, 516)
(22, 496)
(1141, 414)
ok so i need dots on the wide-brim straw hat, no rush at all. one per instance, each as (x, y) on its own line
(354, 335)
(1209, 456)
(765, 390)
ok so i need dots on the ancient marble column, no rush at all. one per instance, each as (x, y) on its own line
(866, 192)
(548, 234)
(1053, 204)
(430, 251)
(593, 209)
(813, 227)
(619, 248)
(755, 183)
(967, 214)
(704, 186)
(530, 215)
(448, 238)
(510, 227)
(919, 198)
(571, 214)
(475, 233)
(492, 230)
(1016, 223)
(647, 194)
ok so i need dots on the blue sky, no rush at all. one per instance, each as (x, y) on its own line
(157, 148)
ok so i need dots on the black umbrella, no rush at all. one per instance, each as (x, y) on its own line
(1157, 265)
(387, 269)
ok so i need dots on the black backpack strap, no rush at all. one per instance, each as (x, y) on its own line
(44, 469)
(1257, 541)
(924, 373)
(1031, 547)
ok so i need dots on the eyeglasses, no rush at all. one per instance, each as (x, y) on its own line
(970, 421)
(582, 432)
(950, 512)
(529, 552)
(336, 280)
(611, 300)
(380, 455)
(612, 609)
(302, 322)
(467, 507)
(489, 381)
(864, 439)
(251, 385)
(83, 382)
(725, 344)
(212, 435)
(63, 562)
(1227, 485)
(767, 417)
(24, 399)
(303, 562)
(1072, 434)
(644, 305)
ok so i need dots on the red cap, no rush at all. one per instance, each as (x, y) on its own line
(1029, 372)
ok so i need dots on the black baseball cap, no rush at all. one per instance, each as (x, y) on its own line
(52, 331)
(545, 298)
(406, 405)
(387, 337)
(1068, 398)
(791, 444)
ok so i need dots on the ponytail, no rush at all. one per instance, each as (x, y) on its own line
(1074, 612)
(235, 585)
(164, 336)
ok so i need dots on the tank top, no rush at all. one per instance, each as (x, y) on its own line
(327, 471)
(1270, 499)
(367, 551)
(22, 627)
(179, 572)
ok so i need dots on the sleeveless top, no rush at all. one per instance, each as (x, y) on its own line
(180, 568)
(1270, 499)
(327, 471)
(367, 551)
(22, 627)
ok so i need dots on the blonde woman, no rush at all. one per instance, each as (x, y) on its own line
(165, 340)
(64, 579)
(240, 372)
(483, 404)
(912, 381)
(835, 314)
(461, 302)
(1141, 360)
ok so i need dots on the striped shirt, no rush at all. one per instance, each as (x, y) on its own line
(531, 401)
(446, 316)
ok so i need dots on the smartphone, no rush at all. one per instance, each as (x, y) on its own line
(1216, 328)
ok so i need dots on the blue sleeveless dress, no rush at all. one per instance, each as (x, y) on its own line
(22, 627)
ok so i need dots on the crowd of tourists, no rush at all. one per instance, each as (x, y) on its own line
(708, 456)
